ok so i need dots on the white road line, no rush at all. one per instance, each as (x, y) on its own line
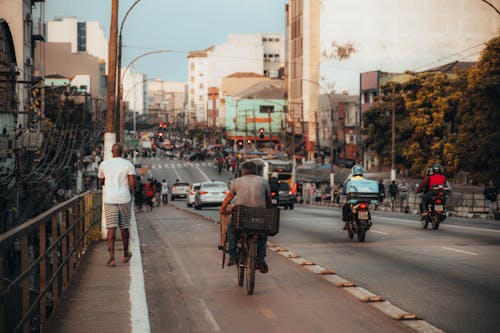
(379, 232)
(444, 225)
(165, 165)
(204, 174)
(460, 251)
(209, 316)
(177, 173)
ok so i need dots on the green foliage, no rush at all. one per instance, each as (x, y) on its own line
(451, 119)
(477, 137)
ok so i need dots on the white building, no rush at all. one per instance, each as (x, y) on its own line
(83, 36)
(135, 90)
(198, 86)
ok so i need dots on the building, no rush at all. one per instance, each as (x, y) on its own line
(262, 54)
(302, 71)
(259, 108)
(83, 36)
(168, 101)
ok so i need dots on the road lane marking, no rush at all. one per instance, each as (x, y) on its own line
(268, 313)
(209, 316)
(445, 225)
(379, 232)
(460, 251)
(204, 174)
(177, 173)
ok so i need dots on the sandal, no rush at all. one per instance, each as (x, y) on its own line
(111, 263)
(127, 258)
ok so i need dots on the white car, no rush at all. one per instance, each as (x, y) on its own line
(179, 190)
(210, 194)
(191, 194)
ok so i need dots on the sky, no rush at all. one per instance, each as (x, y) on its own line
(389, 35)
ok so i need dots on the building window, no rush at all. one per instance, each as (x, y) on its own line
(82, 36)
(266, 109)
(276, 39)
(201, 85)
(201, 98)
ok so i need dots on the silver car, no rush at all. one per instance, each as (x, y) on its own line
(191, 194)
(179, 190)
(210, 194)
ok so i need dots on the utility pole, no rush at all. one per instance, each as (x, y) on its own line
(110, 135)
(393, 139)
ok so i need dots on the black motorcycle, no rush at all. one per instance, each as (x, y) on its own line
(436, 209)
(358, 220)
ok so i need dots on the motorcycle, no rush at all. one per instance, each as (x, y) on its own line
(436, 209)
(359, 220)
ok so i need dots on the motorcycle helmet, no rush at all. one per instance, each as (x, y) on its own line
(357, 170)
(437, 168)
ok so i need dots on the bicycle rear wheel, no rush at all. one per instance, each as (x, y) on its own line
(241, 266)
(251, 260)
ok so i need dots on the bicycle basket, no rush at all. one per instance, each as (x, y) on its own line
(256, 219)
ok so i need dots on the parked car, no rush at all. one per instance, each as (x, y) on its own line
(179, 190)
(210, 194)
(191, 194)
(286, 197)
(195, 157)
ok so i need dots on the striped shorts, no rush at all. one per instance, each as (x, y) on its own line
(117, 215)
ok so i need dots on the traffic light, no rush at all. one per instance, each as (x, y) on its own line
(37, 98)
(261, 133)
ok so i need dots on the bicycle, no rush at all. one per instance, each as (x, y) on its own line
(247, 259)
(251, 224)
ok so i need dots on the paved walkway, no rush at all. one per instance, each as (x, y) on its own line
(104, 299)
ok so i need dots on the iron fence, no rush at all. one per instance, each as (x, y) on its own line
(39, 258)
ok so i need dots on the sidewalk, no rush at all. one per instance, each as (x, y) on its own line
(99, 297)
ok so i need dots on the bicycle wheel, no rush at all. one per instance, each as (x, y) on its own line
(240, 262)
(251, 260)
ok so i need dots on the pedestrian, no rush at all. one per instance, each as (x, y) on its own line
(403, 189)
(164, 191)
(381, 192)
(117, 175)
(393, 192)
(149, 193)
(158, 187)
(139, 194)
(490, 195)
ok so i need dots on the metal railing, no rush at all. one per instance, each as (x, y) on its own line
(40, 257)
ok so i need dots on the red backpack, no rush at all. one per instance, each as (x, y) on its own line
(149, 190)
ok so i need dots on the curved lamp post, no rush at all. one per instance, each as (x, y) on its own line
(119, 91)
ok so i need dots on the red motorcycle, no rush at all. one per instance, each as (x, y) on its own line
(436, 209)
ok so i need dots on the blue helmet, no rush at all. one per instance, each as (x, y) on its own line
(357, 170)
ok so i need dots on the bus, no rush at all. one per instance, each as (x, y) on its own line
(285, 169)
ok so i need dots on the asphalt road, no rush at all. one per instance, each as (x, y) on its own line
(449, 277)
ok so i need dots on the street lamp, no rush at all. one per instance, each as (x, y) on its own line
(119, 130)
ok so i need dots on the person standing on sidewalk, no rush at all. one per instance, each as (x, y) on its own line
(118, 176)
(403, 189)
(393, 192)
(490, 194)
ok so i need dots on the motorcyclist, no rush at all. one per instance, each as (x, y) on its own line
(434, 177)
(274, 185)
(356, 174)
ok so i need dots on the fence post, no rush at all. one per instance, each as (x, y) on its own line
(25, 284)
(43, 271)
(55, 261)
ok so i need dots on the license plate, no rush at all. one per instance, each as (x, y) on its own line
(363, 215)
(438, 208)
(274, 201)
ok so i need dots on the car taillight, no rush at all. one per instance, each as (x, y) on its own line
(294, 188)
(273, 194)
(290, 192)
(441, 194)
(173, 188)
(203, 192)
(362, 205)
(438, 201)
(191, 192)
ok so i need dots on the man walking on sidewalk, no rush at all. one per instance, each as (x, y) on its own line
(118, 176)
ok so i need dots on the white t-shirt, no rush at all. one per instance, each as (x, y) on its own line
(115, 171)
(164, 188)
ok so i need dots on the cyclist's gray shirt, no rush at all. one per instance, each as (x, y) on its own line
(250, 190)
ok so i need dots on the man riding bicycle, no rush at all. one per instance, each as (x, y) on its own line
(252, 191)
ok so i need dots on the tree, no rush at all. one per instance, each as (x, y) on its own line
(477, 138)
(431, 100)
